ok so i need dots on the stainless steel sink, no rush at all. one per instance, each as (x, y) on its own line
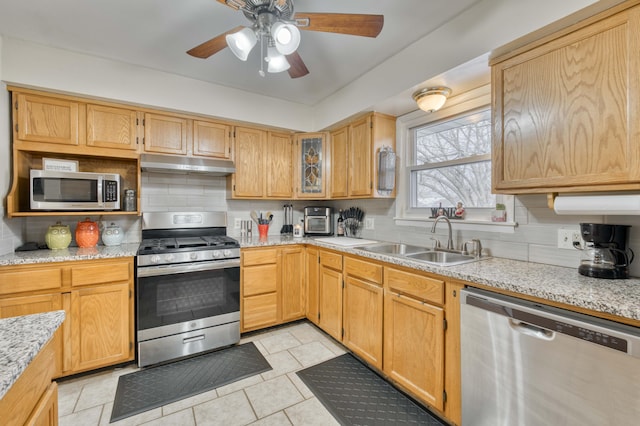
(443, 258)
(394, 249)
(439, 257)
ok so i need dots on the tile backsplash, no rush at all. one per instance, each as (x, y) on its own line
(534, 239)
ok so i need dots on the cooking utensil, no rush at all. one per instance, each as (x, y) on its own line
(254, 216)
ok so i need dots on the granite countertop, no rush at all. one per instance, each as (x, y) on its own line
(554, 283)
(71, 253)
(21, 339)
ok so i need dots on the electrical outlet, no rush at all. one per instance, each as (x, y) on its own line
(566, 238)
(237, 223)
(368, 223)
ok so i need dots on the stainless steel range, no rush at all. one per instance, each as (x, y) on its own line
(188, 286)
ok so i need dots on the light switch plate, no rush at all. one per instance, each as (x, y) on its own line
(368, 223)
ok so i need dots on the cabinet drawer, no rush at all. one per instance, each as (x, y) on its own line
(421, 287)
(18, 280)
(100, 273)
(361, 269)
(331, 260)
(259, 257)
(259, 279)
(259, 311)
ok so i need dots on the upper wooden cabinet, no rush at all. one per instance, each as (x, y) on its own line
(310, 171)
(354, 153)
(111, 127)
(211, 139)
(566, 107)
(165, 134)
(263, 163)
(46, 119)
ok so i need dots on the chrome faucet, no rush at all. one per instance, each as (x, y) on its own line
(450, 239)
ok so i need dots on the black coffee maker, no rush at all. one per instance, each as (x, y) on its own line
(606, 254)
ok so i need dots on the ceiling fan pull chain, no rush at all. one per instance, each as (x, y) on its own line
(262, 58)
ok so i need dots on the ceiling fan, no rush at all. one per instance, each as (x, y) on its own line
(276, 27)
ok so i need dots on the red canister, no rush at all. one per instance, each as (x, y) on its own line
(87, 233)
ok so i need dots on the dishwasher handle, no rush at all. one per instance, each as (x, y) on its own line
(531, 330)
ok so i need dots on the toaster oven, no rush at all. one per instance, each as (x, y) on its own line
(318, 221)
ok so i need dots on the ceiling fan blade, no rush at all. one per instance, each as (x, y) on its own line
(341, 23)
(212, 46)
(298, 68)
(234, 4)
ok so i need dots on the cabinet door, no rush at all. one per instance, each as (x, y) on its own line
(565, 113)
(100, 327)
(248, 180)
(45, 412)
(311, 165)
(279, 166)
(27, 305)
(363, 304)
(165, 134)
(331, 302)
(110, 127)
(339, 169)
(45, 119)
(414, 347)
(211, 139)
(260, 277)
(293, 294)
(312, 275)
(360, 158)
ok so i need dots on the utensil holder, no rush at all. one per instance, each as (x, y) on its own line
(263, 231)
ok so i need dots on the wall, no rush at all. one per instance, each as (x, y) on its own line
(10, 229)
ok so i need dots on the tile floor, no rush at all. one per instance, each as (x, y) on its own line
(276, 397)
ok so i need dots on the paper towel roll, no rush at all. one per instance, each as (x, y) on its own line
(597, 204)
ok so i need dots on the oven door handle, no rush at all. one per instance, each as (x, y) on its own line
(154, 271)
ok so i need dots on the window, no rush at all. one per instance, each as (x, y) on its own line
(451, 163)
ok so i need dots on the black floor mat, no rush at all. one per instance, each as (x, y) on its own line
(356, 395)
(156, 386)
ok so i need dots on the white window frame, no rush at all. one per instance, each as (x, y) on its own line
(407, 216)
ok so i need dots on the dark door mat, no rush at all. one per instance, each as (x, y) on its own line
(157, 386)
(356, 395)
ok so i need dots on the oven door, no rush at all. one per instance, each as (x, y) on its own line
(182, 298)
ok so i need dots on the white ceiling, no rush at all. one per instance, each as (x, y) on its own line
(157, 33)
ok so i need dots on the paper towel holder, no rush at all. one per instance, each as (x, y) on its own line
(605, 204)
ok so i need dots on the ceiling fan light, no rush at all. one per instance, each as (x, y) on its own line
(286, 37)
(431, 99)
(275, 61)
(242, 42)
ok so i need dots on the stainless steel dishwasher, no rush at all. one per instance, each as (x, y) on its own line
(527, 364)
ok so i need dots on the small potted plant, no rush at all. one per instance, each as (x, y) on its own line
(499, 214)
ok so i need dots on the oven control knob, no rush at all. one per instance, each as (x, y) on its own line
(216, 253)
(168, 258)
(227, 253)
(193, 256)
(155, 258)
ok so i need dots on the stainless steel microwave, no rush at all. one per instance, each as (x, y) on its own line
(54, 190)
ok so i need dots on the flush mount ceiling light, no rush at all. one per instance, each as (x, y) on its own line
(431, 99)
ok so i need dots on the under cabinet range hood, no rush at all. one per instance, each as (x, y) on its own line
(186, 165)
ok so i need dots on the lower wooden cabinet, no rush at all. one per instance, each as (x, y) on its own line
(414, 346)
(33, 398)
(312, 279)
(362, 309)
(272, 286)
(97, 297)
(330, 294)
(99, 326)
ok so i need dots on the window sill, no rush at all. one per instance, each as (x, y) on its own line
(463, 224)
